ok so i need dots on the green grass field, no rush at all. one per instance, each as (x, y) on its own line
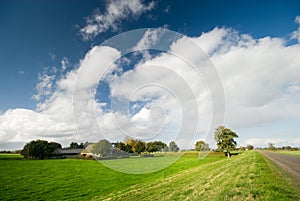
(295, 153)
(10, 156)
(248, 176)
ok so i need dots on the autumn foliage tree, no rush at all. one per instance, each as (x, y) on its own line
(137, 146)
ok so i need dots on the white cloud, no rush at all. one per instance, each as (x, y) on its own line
(297, 19)
(116, 11)
(53, 118)
(256, 77)
(296, 34)
(19, 125)
(142, 118)
(44, 87)
(148, 40)
(64, 63)
(261, 78)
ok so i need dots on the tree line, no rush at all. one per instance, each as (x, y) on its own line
(41, 149)
(105, 148)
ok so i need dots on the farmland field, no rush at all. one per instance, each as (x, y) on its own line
(248, 176)
(295, 153)
(10, 156)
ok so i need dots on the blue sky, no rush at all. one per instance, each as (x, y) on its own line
(47, 38)
(32, 31)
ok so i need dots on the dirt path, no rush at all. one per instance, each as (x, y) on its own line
(287, 162)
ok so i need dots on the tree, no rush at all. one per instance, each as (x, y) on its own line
(137, 146)
(39, 149)
(121, 146)
(287, 148)
(225, 139)
(75, 145)
(173, 147)
(250, 147)
(103, 148)
(124, 147)
(155, 146)
(242, 148)
(54, 146)
(271, 146)
(128, 148)
(201, 146)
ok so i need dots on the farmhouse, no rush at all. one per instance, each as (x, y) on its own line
(69, 153)
(86, 152)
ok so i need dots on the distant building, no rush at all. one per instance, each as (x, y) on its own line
(68, 153)
(87, 151)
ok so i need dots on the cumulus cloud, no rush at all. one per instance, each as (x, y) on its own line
(256, 75)
(116, 11)
(53, 118)
(19, 125)
(261, 79)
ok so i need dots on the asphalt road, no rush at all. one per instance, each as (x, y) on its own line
(287, 162)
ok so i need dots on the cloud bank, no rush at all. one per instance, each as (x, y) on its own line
(261, 79)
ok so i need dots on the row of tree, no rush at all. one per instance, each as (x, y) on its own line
(41, 149)
(272, 147)
(105, 148)
(224, 138)
(137, 146)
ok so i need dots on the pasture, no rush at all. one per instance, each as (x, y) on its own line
(295, 153)
(10, 156)
(248, 176)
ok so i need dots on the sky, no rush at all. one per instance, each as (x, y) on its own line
(153, 70)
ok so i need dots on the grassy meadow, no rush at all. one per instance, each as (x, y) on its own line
(10, 156)
(247, 176)
(294, 153)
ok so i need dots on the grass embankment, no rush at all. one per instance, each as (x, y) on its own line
(248, 176)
